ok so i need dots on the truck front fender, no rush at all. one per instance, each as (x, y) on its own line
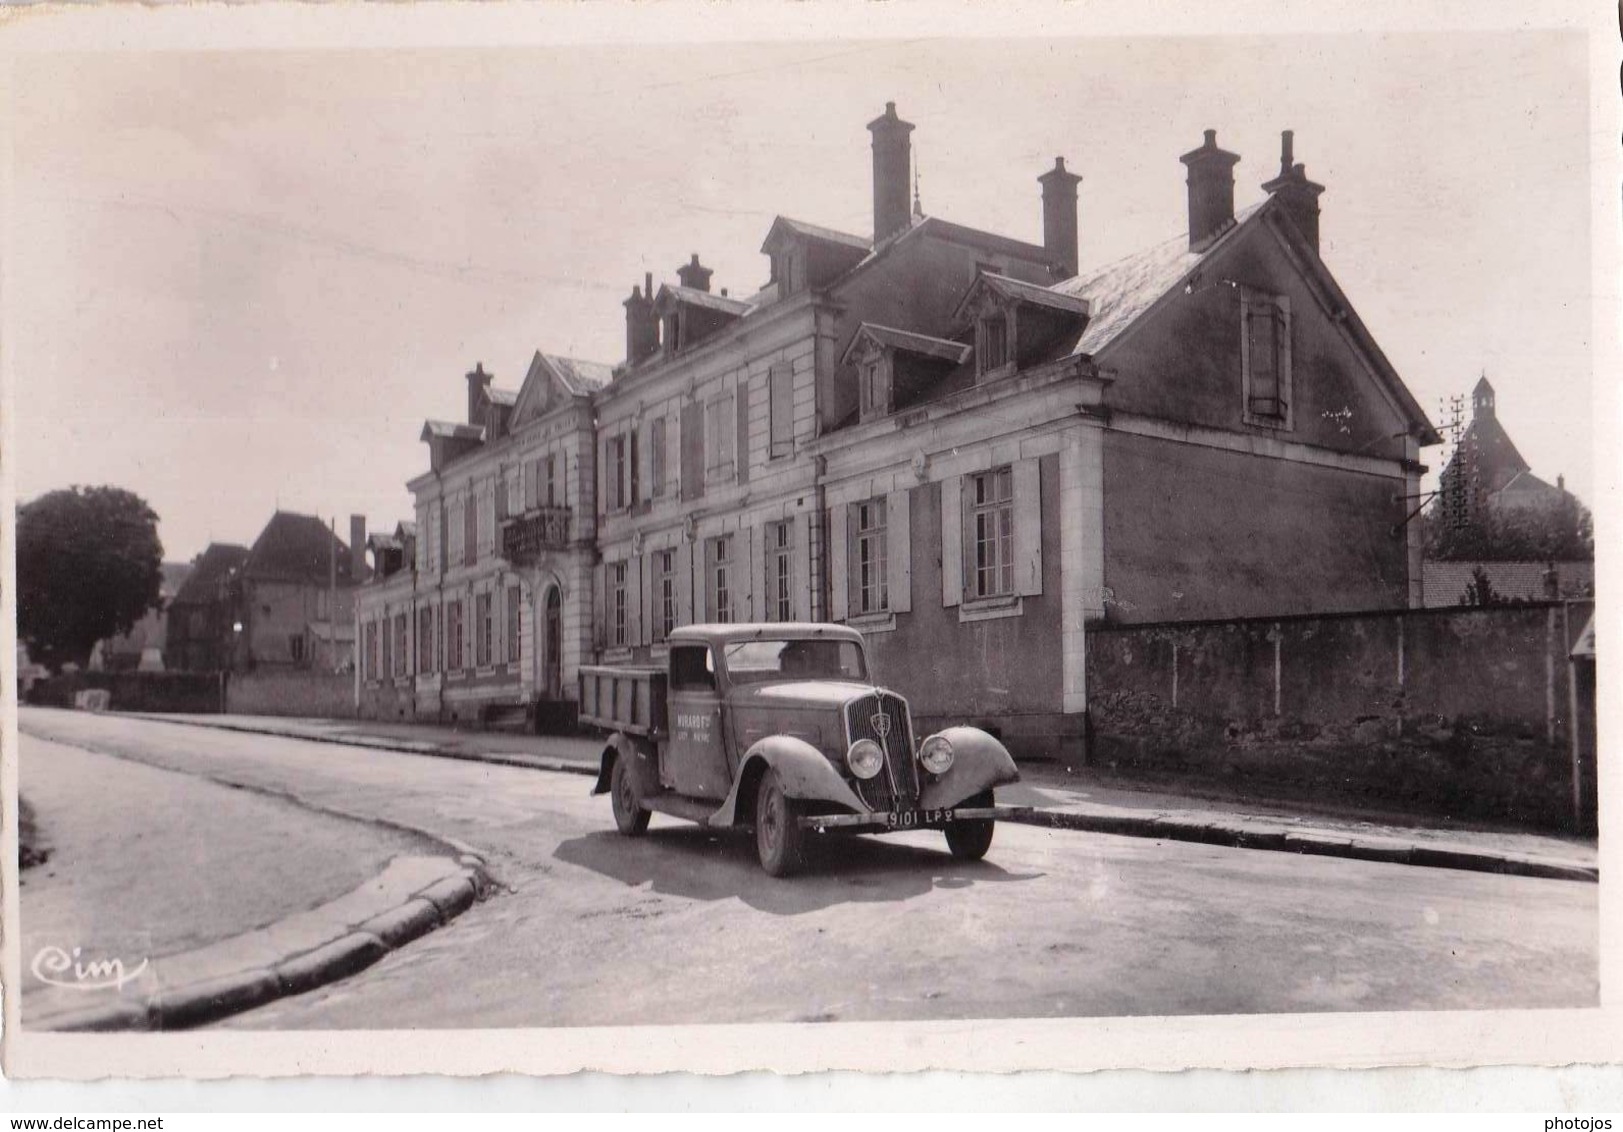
(979, 763)
(641, 758)
(805, 772)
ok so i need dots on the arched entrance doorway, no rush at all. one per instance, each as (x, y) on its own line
(552, 643)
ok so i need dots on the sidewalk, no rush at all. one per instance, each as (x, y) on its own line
(1048, 796)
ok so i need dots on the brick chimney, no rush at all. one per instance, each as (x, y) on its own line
(478, 382)
(892, 167)
(693, 274)
(1211, 191)
(1059, 216)
(357, 547)
(642, 328)
(1298, 196)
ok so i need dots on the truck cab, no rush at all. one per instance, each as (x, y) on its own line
(781, 728)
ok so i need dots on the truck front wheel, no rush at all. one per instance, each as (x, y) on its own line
(779, 840)
(629, 815)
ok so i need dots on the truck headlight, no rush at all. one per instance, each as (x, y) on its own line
(865, 758)
(936, 754)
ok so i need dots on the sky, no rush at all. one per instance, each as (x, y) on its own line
(242, 280)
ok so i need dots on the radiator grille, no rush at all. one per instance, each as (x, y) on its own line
(897, 787)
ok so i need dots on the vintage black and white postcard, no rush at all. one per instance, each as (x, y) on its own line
(871, 537)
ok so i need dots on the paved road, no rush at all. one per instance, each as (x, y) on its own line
(684, 927)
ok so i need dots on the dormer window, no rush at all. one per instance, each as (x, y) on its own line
(992, 343)
(875, 377)
(784, 271)
(671, 334)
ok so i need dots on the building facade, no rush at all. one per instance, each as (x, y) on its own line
(955, 442)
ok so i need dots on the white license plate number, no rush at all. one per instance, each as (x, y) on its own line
(912, 819)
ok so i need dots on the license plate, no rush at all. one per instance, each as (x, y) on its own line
(911, 819)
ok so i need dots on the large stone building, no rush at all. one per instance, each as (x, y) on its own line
(953, 441)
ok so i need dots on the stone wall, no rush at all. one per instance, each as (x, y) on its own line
(1459, 713)
(269, 691)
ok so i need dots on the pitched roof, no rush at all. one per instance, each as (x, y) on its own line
(1487, 450)
(1022, 292)
(579, 376)
(209, 571)
(814, 232)
(174, 576)
(452, 429)
(921, 344)
(297, 548)
(500, 396)
(1121, 291)
(694, 297)
(1444, 583)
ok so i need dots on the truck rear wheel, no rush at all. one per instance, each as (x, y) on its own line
(779, 840)
(969, 840)
(629, 815)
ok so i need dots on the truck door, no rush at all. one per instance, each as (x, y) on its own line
(695, 762)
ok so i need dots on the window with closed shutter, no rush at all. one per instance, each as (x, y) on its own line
(656, 458)
(1266, 359)
(781, 410)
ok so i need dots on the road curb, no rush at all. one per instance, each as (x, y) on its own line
(1348, 846)
(1161, 827)
(354, 949)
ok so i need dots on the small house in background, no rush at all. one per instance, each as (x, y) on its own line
(1450, 583)
(198, 633)
(294, 592)
(142, 648)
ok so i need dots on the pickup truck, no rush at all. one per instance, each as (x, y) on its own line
(778, 728)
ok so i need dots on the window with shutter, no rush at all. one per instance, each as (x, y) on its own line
(693, 461)
(618, 599)
(1265, 360)
(514, 624)
(992, 343)
(870, 574)
(991, 533)
(425, 639)
(664, 613)
(780, 410)
(779, 598)
(656, 457)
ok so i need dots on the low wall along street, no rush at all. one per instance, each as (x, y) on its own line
(1455, 712)
(190, 692)
(292, 692)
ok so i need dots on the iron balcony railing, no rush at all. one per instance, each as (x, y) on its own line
(525, 536)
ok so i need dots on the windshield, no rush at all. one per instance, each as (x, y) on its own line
(755, 662)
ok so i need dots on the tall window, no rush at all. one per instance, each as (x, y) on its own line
(665, 575)
(481, 629)
(781, 411)
(872, 589)
(1266, 356)
(618, 596)
(780, 596)
(720, 425)
(402, 644)
(635, 475)
(656, 456)
(295, 648)
(616, 472)
(552, 481)
(532, 483)
(454, 658)
(721, 592)
(514, 624)
(993, 343)
(370, 656)
(425, 639)
(470, 530)
(992, 529)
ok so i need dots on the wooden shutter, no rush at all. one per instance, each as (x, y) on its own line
(765, 581)
(952, 540)
(898, 550)
(470, 528)
(800, 572)
(693, 450)
(838, 556)
(500, 503)
(634, 618)
(656, 458)
(532, 484)
(781, 409)
(1028, 527)
(600, 621)
(650, 596)
(684, 583)
(741, 454)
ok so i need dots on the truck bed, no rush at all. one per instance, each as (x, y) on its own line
(626, 698)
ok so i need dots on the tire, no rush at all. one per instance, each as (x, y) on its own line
(779, 841)
(629, 815)
(969, 840)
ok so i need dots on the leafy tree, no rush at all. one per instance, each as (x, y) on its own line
(1557, 532)
(1479, 591)
(88, 567)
